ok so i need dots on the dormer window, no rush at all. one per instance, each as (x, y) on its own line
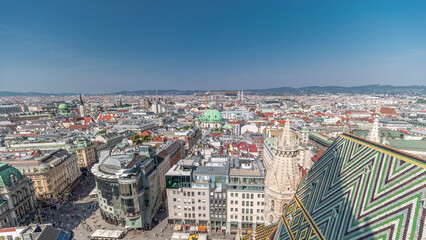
(13, 178)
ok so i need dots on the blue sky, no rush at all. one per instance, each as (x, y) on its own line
(106, 46)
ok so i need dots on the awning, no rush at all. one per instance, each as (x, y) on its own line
(177, 227)
(202, 228)
(193, 228)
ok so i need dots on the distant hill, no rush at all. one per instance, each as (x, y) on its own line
(8, 94)
(367, 89)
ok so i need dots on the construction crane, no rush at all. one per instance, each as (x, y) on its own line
(205, 96)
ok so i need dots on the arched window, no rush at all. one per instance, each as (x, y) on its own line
(271, 218)
(272, 203)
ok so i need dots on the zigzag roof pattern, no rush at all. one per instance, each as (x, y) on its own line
(358, 189)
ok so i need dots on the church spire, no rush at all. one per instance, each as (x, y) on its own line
(81, 99)
(287, 139)
(373, 135)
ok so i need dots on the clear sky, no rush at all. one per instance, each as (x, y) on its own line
(106, 46)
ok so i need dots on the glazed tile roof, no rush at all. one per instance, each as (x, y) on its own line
(358, 189)
(262, 232)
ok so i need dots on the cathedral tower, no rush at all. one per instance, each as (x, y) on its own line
(284, 175)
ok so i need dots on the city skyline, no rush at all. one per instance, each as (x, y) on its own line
(101, 47)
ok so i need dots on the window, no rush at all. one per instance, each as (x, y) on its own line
(244, 204)
(236, 194)
(244, 195)
(236, 202)
(232, 194)
(242, 210)
(199, 207)
(236, 209)
(199, 193)
(251, 204)
(192, 193)
(251, 211)
(205, 215)
(199, 200)
(251, 218)
(232, 209)
(174, 192)
(232, 202)
(204, 193)
(185, 215)
(174, 199)
(204, 208)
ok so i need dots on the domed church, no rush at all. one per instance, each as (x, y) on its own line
(63, 109)
(211, 118)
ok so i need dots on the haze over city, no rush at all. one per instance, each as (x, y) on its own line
(109, 46)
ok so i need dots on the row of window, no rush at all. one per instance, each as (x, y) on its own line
(248, 195)
(247, 203)
(189, 200)
(189, 215)
(246, 210)
(189, 194)
(247, 218)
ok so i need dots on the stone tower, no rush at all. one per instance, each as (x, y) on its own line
(284, 175)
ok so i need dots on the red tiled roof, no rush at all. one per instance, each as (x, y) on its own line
(387, 110)
(83, 127)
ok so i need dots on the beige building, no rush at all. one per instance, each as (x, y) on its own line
(54, 174)
(86, 155)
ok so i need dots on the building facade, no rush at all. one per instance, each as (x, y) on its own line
(18, 204)
(128, 189)
(86, 154)
(55, 174)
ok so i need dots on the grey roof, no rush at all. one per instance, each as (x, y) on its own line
(49, 233)
(212, 171)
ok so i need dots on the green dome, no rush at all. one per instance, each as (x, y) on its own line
(304, 129)
(228, 126)
(211, 116)
(63, 106)
(93, 110)
(6, 174)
